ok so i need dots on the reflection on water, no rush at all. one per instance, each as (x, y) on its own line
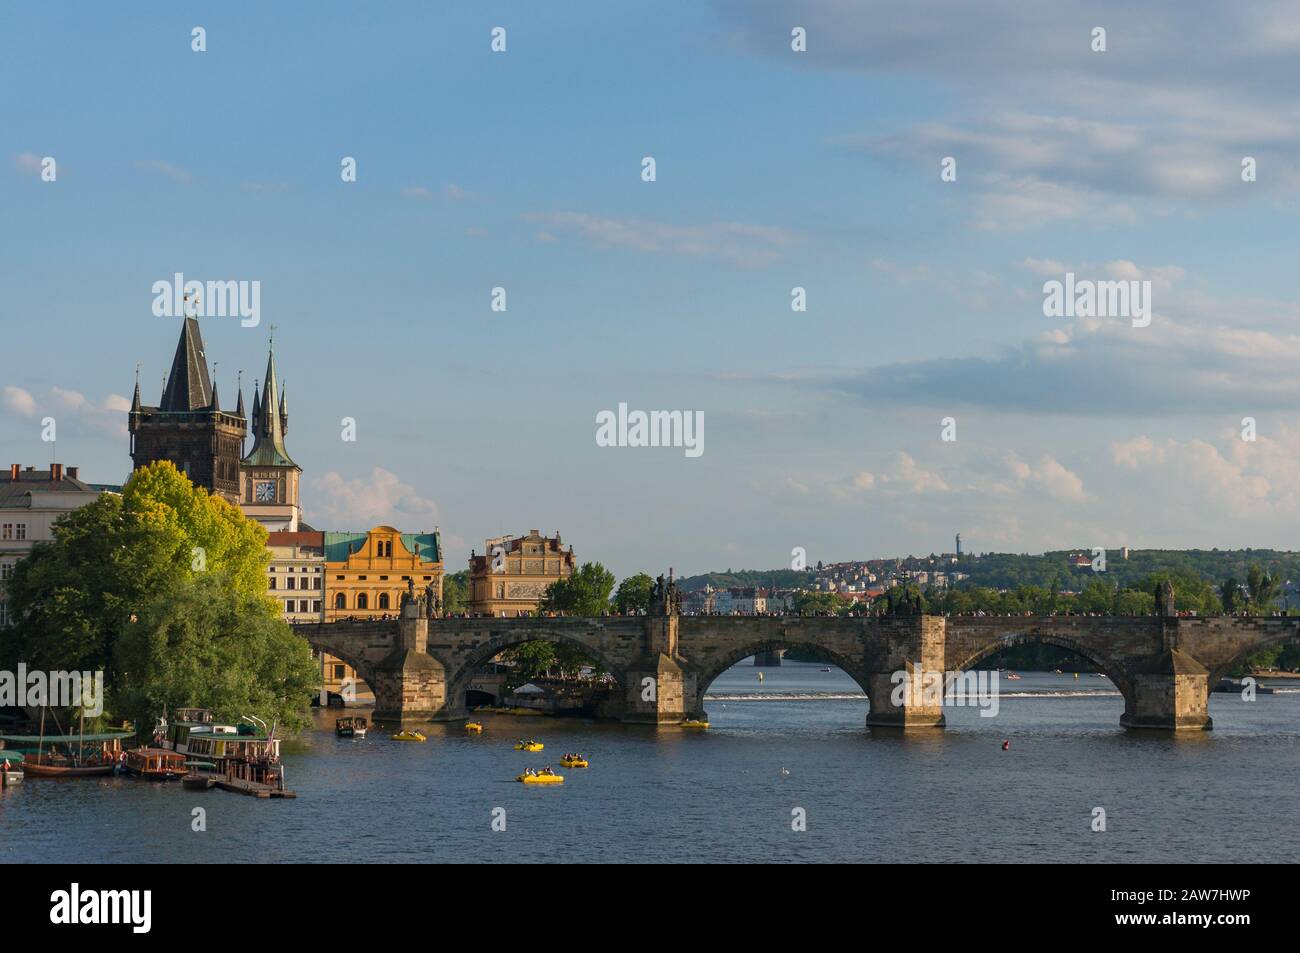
(724, 794)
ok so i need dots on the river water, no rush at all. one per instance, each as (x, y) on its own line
(795, 741)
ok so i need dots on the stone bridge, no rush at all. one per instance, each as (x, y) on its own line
(1164, 666)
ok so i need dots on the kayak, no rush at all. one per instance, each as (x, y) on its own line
(409, 736)
(529, 746)
(541, 778)
(573, 762)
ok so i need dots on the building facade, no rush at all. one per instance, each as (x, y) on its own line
(30, 502)
(188, 427)
(509, 579)
(367, 573)
(296, 575)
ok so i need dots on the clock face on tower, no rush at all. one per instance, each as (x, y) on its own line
(264, 491)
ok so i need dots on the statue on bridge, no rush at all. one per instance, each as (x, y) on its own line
(408, 596)
(904, 601)
(665, 597)
(1165, 599)
(432, 604)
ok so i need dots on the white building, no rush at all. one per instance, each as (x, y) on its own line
(30, 502)
(296, 575)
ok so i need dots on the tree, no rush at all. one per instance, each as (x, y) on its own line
(1262, 587)
(1230, 595)
(634, 594)
(204, 643)
(586, 592)
(815, 603)
(455, 592)
(116, 563)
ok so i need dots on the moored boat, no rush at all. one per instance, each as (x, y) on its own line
(11, 768)
(155, 764)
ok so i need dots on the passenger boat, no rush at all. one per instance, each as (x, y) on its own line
(11, 771)
(473, 726)
(577, 762)
(695, 723)
(350, 727)
(155, 764)
(540, 778)
(409, 735)
(245, 758)
(529, 746)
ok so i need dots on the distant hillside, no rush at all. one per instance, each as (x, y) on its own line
(768, 579)
(1008, 570)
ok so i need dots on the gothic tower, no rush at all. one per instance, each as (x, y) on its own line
(268, 478)
(188, 427)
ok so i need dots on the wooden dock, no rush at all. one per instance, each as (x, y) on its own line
(200, 780)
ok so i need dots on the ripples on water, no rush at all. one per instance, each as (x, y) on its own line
(652, 796)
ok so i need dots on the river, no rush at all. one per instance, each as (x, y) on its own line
(795, 741)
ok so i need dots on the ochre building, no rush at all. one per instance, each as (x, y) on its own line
(509, 579)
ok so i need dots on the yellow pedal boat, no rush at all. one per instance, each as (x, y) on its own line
(573, 763)
(529, 746)
(693, 723)
(409, 736)
(541, 778)
(473, 726)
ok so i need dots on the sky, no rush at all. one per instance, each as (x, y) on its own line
(775, 169)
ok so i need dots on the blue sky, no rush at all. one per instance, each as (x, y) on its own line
(775, 169)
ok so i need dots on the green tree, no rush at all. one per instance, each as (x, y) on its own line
(815, 603)
(114, 569)
(1230, 595)
(634, 594)
(455, 592)
(204, 643)
(585, 593)
(1263, 588)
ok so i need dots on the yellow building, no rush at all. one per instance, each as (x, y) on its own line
(367, 573)
(511, 576)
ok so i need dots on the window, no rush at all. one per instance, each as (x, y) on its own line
(316, 583)
(272, 586)
(6, 570)
(383, 600)
(21, 531)
(363, 602)
(302, 605)
(340, 602)
(4, 613)
(288, 606)
(290, 581)
(7, 531)
(315, 606)
(384, 578)
(338, 671)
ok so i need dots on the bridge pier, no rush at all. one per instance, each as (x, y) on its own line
(769, 659)
(656, 687)
(409, 683)
(1169, 692)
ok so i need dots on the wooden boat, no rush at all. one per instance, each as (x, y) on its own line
(69, 756)
(246, 761)
(43, 766)
(155, 764)
(350, 727)
(11, 771)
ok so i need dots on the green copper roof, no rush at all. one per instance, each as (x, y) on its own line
(268, 428)
(338, 546)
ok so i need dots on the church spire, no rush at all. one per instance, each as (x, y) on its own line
(268, 431)
(188, 386)
(284, 410)
(135, 399)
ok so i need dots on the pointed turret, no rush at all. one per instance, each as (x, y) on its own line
(188, 386)
(135, 399)
(239, 404)
(216, 403)
(284, 410)
(268, 433)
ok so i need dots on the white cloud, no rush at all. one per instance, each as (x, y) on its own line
(108, 416)
(175, 173)
(359, 504)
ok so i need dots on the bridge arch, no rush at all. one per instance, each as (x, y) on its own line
(707, 672)
(462, 672)
(323, 644)
(1113, 670)
(1282, 636)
